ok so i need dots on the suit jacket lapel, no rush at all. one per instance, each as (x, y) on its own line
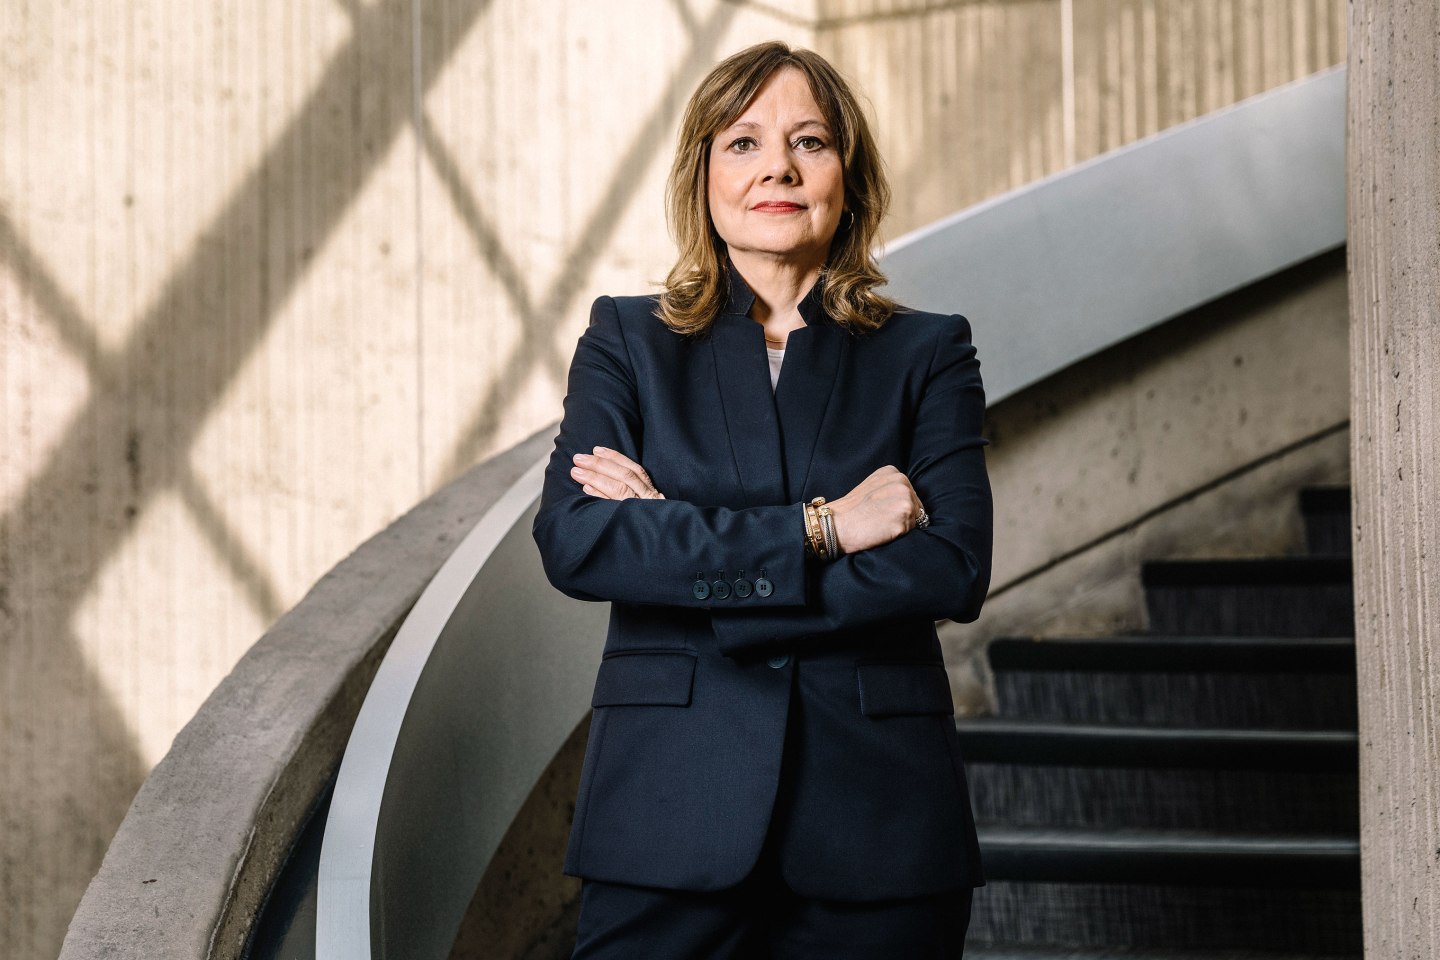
(807, 381)
(743, 374)
(773, 434)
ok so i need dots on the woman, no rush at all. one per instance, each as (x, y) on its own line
(772, 767)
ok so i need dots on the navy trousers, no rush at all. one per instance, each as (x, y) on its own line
(761, 918)
(619, 922)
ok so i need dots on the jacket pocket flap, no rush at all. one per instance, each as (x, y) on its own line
(895, 687)
(653, 677)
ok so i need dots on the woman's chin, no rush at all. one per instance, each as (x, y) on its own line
(800, 250)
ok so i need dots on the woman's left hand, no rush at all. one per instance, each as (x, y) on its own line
(611, 475)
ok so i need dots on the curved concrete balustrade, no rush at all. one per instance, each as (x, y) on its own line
(210, 829)
(1064, 267)
(489, 674)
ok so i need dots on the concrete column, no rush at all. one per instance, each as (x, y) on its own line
(1394, 253)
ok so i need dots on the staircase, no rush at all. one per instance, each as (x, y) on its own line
(1190, 792)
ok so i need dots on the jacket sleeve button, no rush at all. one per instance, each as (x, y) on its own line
(743, 588)
(764, 587)
(720, 589)
(700, 589)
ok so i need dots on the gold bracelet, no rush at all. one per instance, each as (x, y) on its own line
(817, 533)
(809, 512)
(813, 534)
(821, 536)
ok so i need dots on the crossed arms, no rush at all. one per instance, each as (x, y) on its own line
(648, 551)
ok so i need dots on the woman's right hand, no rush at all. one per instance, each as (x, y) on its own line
(881, 508)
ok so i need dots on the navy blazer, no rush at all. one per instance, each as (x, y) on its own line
(679, 783)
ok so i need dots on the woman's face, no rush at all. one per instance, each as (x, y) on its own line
(776, 185)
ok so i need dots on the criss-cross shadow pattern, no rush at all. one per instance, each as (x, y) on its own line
(174, 356)
(538, 319)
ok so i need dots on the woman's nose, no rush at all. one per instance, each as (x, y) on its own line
(779, 166)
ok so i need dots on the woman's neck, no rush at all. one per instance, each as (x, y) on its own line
(779, 286)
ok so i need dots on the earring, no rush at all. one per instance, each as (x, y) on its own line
(851, 224)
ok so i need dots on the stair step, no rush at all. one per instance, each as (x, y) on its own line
(1042, 952)
(1199, 681)
(1307, 922)
(1170, 857)
(1326, 513)
(1153, 798)
(1185, 794)
(1161, 653)
(1107, 745)
(1275, 596)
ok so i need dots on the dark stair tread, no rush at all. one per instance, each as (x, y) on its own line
(1177, 841)
(1003, 740)
(1248, 571)
(1175, 653)
(1048, 952)
(1181, 857)
(1326, 515)
(1325, 499)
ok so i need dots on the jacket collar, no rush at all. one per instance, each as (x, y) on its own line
(773, 434)
(739, 298)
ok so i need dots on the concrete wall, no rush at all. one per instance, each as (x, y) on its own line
(271, 272)
(1393, 142)
(975, 98)
(1191, 440)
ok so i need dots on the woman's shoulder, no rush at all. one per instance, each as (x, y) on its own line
(634, 315)
(628, 307)
(926, 326)
(638, 305)
(915, 320)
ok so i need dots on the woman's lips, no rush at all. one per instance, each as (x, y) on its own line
(774, 207)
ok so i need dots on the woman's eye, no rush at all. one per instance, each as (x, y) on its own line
(743, 145)
(810, 143)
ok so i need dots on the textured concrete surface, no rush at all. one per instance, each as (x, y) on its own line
(208, 831)
(1394, 211)
(976, 98)
(524, 907)
(269, 274)
(272, 272)
(1189, 440)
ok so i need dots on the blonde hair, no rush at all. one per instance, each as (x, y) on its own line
(695, 288)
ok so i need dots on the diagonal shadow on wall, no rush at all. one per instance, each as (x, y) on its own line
(150, 399)
(184, 352)
(188, 347)
(648, 146)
